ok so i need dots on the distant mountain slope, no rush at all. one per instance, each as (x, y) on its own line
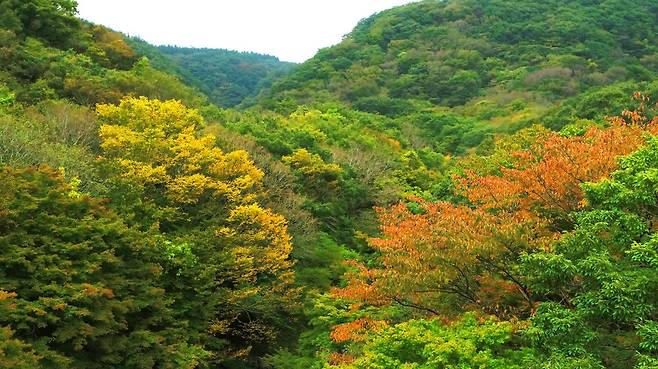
(446, 53)
(227, 77)
(47, 53)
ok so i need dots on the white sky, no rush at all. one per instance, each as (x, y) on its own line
(292, 30)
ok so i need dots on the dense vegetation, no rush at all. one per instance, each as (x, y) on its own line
(226, 77)
(523, 56)
(457, 184)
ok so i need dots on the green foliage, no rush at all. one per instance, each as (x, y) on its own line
(217, 226)
(448, 53)
(330, 153)
(103, 68)
(471, 342)
(227, 77)
(87, 287)
(7, 97)
(447, 132)
(384, 105)
(56, 133)
(561, 331)
(51, 21)
(597, 103)
(15, 353)
(604, 272)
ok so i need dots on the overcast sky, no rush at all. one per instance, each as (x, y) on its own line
(292, 30)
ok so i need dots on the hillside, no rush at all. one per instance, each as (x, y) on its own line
(47, 53)
(226, 77)
(474, 53)
(457, 184)
(229, 78)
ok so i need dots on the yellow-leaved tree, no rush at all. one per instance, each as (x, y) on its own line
(226, 257)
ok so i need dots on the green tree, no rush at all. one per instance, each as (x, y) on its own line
(604, 273)
(86, 287)
(229, 268)
(53, 21)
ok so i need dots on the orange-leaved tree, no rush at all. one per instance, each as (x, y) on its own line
(441, 258)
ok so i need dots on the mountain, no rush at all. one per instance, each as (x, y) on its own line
(226, 77)
(459, 53)
(459, 184)
(47, 53)
(229, 78)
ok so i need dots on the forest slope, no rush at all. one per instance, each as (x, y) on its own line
(464, 52)
(410, 214)
(226, 77)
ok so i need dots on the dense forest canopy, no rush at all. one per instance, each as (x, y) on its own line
(227, 77)
(456, 184)
(452, 53)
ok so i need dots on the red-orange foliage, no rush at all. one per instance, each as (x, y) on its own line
(428, 258)
(464, 256)
(356, 330)
(545, 180)
(645, 115)
(336, 358)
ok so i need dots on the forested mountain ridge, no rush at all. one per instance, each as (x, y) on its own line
(48, 54)
(456, 53)
(87, 66)
(508, 223)
(227, 77)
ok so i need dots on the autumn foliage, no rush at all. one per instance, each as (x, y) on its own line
(164, 174)
(444, 257)
(356, 330)
(452, 194)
